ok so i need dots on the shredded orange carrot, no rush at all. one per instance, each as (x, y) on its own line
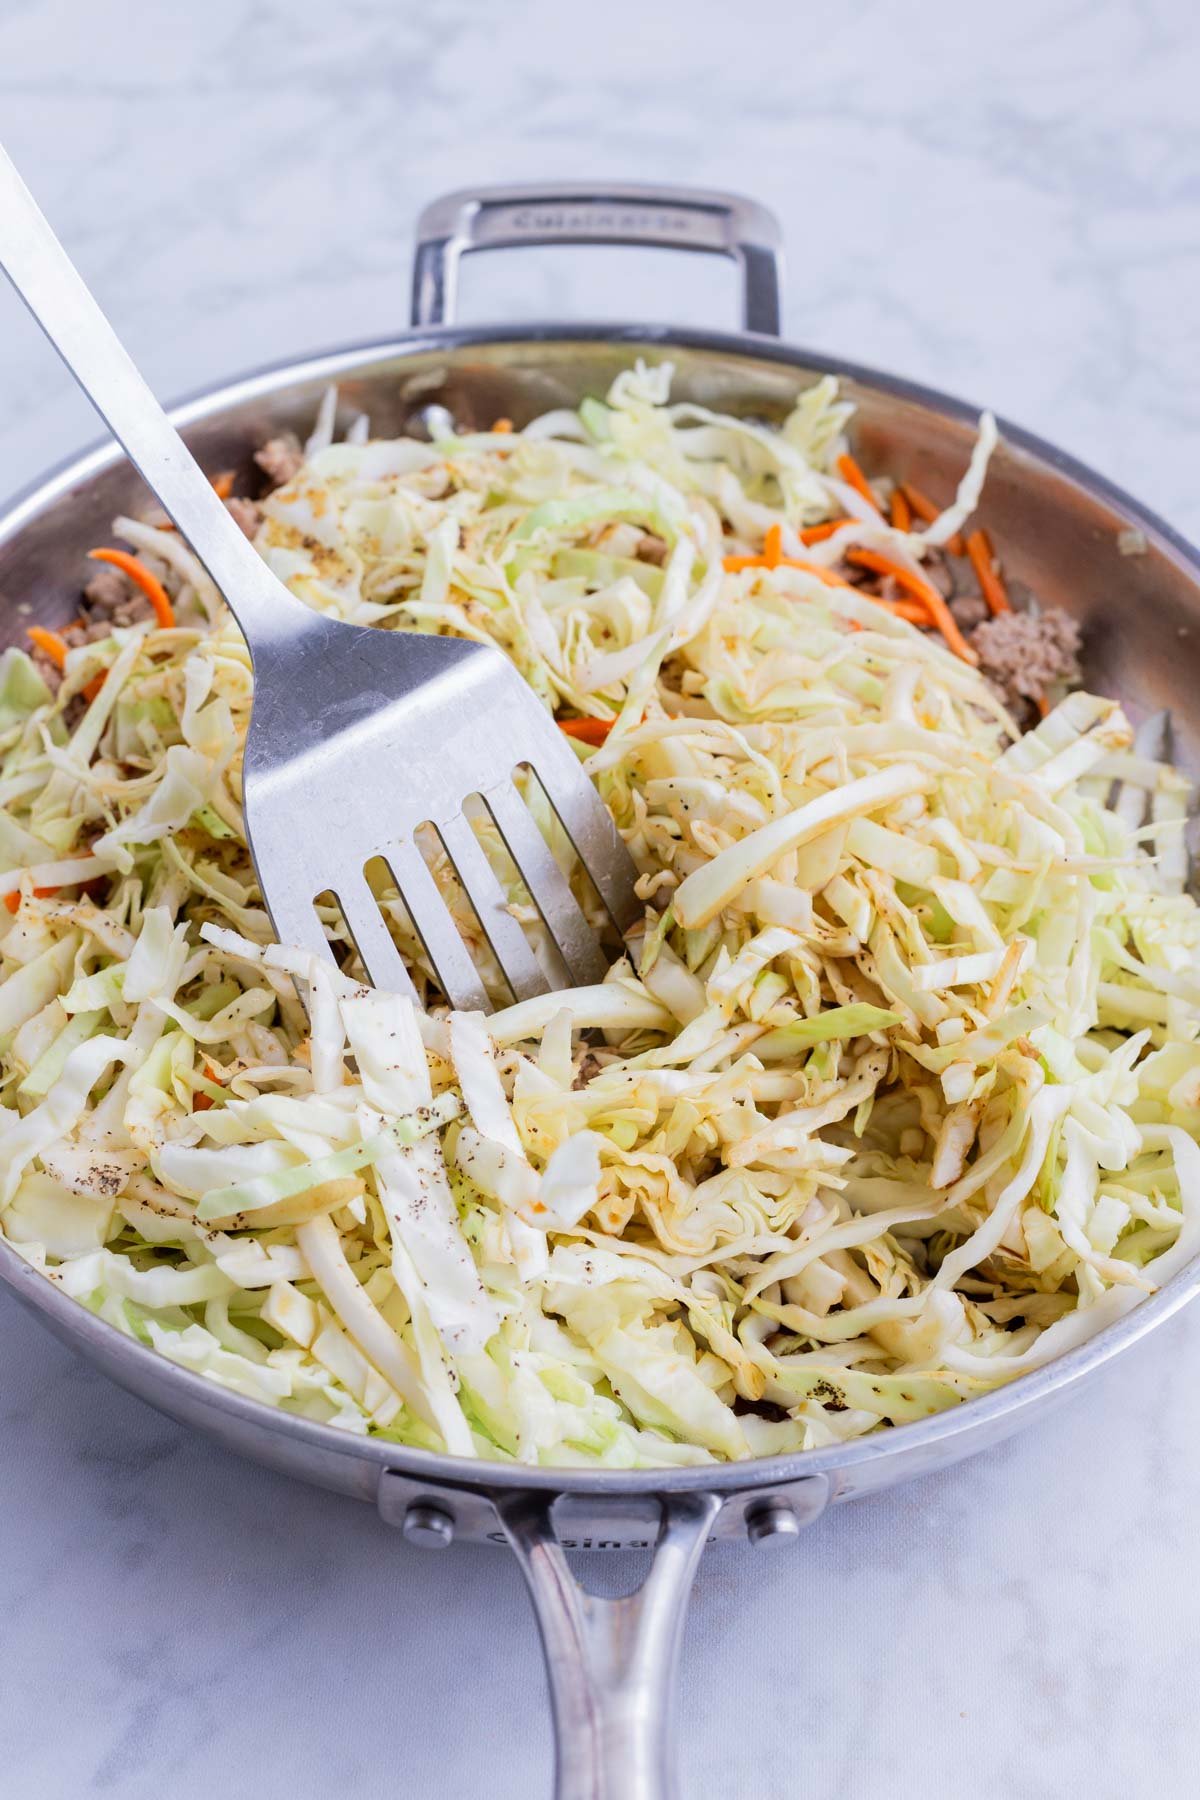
(849, 471)
(816, 534)
(13, 900)
(588, 731)
(912, 610)
(826, 576)
(1043, 706)
(140, 575)
(983, 561)
(503, 426)
(201, 1101)
(920, 589)
(901, 510)
(920, 503)
(50, 644)
(927, 512)
(733, 565)
(91, 688)
(773, 546)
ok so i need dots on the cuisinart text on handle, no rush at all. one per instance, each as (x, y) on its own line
(607, 221)
(588, 1543)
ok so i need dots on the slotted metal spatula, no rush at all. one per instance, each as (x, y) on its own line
(358, 737)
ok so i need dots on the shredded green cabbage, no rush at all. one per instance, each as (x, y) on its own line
(895, 1096)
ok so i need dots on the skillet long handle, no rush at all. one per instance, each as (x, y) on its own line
(611, 1663)
(59, 299)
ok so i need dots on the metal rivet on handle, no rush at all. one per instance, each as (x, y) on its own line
(429, 1526)
(771, 1522)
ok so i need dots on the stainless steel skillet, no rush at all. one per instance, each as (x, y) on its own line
(611, 1662)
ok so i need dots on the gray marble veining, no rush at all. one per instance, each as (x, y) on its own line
(1002, 201)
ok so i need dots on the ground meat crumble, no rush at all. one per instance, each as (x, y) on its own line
(1024, 653)
(281, 458)
(246, 514)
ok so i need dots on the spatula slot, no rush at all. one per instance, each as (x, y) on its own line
(444, 921)
(575, 914)
(336, 930)
(491, 904)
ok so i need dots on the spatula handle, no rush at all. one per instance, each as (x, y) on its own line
(57, 296)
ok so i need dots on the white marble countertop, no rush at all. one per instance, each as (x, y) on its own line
(1010, 213)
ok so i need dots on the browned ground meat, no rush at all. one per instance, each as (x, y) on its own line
(280, 458)
(49, 671)
(1024, 653)
(91, 631)
(106, 590)
(245, 514)
(969, 610)
(651, 549)
(133, 610)
(109, 599)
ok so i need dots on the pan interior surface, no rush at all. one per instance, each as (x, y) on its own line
(1068, 538)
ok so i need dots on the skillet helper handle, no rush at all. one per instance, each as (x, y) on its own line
(574, 212)
(611, 1663)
